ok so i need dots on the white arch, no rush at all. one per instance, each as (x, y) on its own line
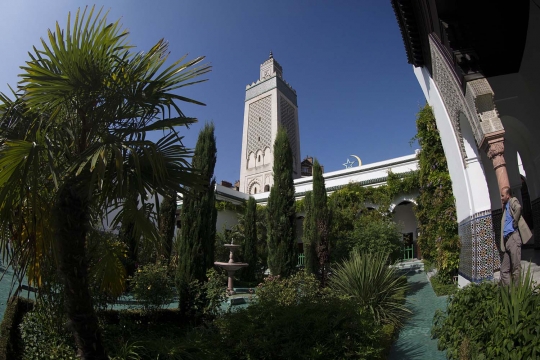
(251, 160)
(403, 198)
(254, 184)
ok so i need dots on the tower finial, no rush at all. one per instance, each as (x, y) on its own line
(271, 55)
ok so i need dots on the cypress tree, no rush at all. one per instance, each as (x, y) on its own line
(167, 222)
(198, 219)
(250, 240)
(281, 210)
(309, 238)
(321, 219)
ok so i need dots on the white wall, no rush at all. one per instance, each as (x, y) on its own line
(226, 219)
(468, 183)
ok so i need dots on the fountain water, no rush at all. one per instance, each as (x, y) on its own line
(231, 266)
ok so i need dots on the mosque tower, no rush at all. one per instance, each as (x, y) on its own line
(270, 102)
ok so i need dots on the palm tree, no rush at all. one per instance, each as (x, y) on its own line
(74, 148)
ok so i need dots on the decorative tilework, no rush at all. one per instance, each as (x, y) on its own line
(478, 256)
(497, 216)
(535, 204)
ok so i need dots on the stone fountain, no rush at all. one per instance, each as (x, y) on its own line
(231, 266)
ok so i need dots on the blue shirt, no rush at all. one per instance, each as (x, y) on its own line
(508, 221)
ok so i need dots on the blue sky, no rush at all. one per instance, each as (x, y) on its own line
(345, 59)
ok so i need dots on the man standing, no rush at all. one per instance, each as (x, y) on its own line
(514, 231)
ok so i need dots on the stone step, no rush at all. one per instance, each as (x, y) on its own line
(408, 266)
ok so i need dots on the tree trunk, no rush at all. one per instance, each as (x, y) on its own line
(71, 224)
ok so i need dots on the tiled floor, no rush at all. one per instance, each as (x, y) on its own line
(414, 341)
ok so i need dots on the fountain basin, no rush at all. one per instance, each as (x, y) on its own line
(232, 246)
(230, 266)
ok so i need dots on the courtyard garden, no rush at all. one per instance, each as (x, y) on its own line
(92, 167)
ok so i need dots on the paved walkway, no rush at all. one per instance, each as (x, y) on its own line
(414, 340)
(529, 257)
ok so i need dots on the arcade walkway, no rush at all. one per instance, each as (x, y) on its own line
(414, 340)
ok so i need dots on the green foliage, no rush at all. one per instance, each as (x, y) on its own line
(436, 211)
(167, 224)
(226, 205)
(301, 287)
(10, 337)
(488, 321)
(350, 215)
(281, 219)
(107, 273)
(43, 333)
(152, 286)
(330, 329)
(207, 296)
(199, 214)
(373, 285)
(88, 105)
(375, 234)
(250, 241)
(442, 288)
(320, 222)
(132, 334)
(309, 237)
(198, 218)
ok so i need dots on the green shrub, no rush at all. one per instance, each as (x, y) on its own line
(487, 321)
(45, 335)
(440, 287)
(152, 286)
(206, 297)
(295, 289)
(330, 329)
(373, 285)
(10, 337)
(137, 334)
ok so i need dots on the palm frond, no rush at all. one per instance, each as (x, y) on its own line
(374, 285)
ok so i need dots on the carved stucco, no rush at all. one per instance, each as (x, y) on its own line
(479, 97)
(288, 120)
(254, 183)
(450, 91)
(476, 104)
(259, 126)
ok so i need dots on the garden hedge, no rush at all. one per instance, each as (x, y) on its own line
(10, 337)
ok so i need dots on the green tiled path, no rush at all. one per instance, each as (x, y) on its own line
(414, 340)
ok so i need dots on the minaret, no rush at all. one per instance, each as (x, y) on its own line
(270, 102)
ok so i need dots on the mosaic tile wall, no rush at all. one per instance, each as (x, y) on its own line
(497, 216)
(479, 255)
(535, 204)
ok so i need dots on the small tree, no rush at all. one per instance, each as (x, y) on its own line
(310, 236)
(167, 223)
(321, 219)
(281, 210)
(250, 240)
(198, 219)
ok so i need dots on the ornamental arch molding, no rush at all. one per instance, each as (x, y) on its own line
(403, 199)
(474, 101)
(254, 185)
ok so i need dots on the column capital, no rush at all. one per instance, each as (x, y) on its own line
(493, 145)
(493, 137)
